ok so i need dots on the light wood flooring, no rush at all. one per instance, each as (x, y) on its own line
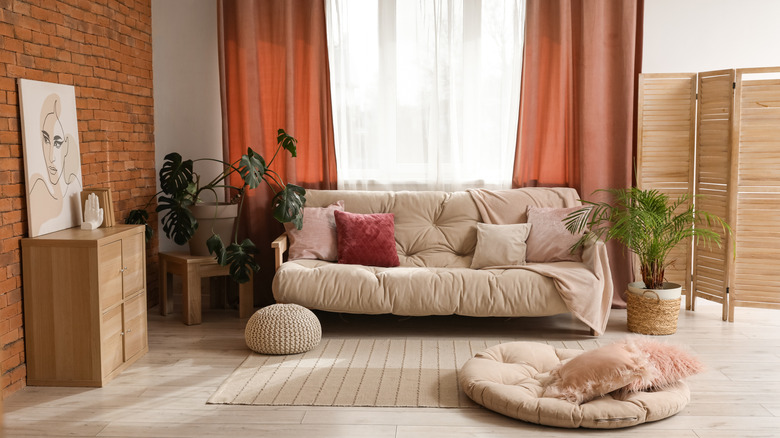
(165, 393)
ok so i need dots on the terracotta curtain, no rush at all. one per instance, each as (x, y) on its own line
(274, 61)
(577, 106)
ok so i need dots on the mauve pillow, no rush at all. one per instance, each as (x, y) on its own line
(549, 240)
(317, 238)
(500, 245)
(597, 372)
(668, 364)
(366, 239)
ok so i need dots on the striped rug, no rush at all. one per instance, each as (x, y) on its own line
(356, 372)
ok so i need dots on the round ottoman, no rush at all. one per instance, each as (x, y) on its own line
(506, 378)
(283, 329)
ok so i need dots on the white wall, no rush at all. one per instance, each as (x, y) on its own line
(701, 35)
(187, 117)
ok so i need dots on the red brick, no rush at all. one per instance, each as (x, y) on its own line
(107, 53)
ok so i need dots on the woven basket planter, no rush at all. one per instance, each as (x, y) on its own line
(650, 315)
(283, 329)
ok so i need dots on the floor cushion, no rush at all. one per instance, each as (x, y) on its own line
(506, 378)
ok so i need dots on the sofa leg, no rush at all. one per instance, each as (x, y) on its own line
(593, 332)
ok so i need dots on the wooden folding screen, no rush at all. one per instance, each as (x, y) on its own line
(665, 148)
(755, 190)
(712, 264)
(734, 170)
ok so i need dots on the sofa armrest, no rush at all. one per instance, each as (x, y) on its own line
(280, 247)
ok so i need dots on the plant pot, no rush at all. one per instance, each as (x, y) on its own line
(650, 314)
(213, 218)
(669, 291)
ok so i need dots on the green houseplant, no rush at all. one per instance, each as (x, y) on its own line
(648, 223)
(182, 189)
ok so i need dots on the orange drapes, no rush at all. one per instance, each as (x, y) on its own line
(577, 105)
(275, 74)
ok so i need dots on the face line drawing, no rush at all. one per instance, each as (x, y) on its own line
(54, 143)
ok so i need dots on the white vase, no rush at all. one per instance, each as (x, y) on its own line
(212, 218)
(669, 291)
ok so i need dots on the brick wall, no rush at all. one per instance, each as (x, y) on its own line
(104, 49)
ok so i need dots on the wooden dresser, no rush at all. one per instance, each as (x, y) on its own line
(84, 304)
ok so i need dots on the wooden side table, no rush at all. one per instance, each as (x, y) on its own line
(192, 269)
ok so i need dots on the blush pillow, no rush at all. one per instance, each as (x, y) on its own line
(366, 239)
(500, 245)
(597, 372)
(667, 363)
(549, 240)
(317, 238)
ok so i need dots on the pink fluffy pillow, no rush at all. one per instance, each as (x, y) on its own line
(366, 239)
(549, 240)
(597, 372)
(317, 238)
(668, 364)
(631, 365)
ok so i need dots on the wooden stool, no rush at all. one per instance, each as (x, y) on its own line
(191, 269)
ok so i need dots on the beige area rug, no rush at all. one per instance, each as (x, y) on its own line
(356, 372)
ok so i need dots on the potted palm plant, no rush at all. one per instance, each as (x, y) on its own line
(181, 195)
(650, 225)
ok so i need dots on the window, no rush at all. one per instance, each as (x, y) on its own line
(425, 93)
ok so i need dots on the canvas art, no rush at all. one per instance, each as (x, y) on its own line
(52, 160)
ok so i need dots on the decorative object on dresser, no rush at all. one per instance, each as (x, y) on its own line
(181, 194)
(84, 304)
(106, 202)
(93, 214)
(52, 162)
(435, 236)
(283, 329)
(650, 225)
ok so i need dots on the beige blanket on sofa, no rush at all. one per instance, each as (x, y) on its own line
(570, 278)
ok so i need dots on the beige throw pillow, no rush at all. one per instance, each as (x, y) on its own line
(549, 240)
(500, 245)
(317, 238)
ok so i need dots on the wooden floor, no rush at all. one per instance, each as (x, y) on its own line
(165, 393)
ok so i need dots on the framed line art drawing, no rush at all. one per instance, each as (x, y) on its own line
(52, 158)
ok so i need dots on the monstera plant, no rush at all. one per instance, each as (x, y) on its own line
(182, 189)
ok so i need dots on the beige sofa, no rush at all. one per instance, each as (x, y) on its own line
(435, 235)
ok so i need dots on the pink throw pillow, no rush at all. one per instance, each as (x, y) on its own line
(549, 240)
(317, 238)
(597, 372)
(366, 239)
(668, 364)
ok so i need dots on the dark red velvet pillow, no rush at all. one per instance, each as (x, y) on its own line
(366, 239)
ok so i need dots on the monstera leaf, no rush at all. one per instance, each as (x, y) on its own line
(287, 141)
(242, 261)
(140, 217)
(175, 174)
(252, 168)
(178, 222)
(216, 247)
(288, 205)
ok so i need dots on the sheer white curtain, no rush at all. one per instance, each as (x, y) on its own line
(425, 93)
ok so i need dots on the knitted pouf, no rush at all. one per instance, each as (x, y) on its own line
(283, 329)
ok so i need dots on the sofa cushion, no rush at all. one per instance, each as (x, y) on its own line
(317, 238)
(417, 291)
(500, 245)
(366, 239)
(549, 240)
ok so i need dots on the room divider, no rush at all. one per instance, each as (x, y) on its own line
(717, 135)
